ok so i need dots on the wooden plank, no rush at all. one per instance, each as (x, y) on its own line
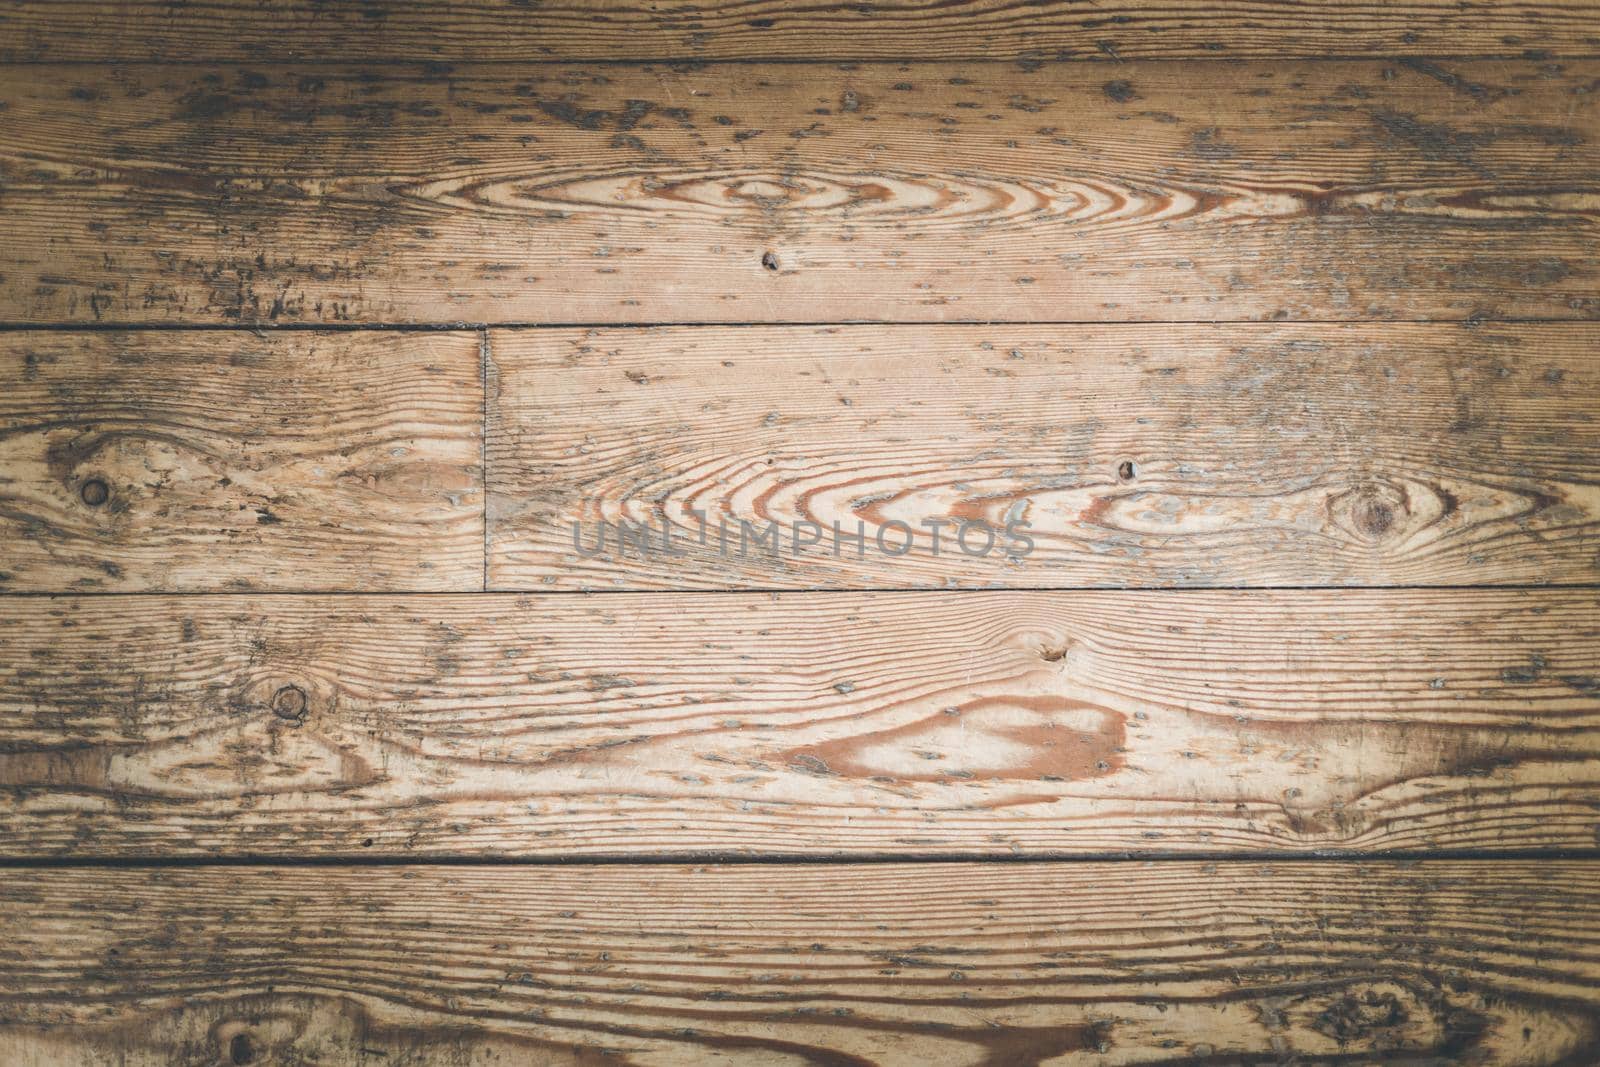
(920, 723)
(514, 30)
(231, 461)
(1189, 455)
(1164, 964)
(800, 192)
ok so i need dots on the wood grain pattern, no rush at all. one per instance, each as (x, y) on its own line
(807, 724)
(1016, 964)
(516, 30)
(800, 192)
(213, 461)
(1181, 455)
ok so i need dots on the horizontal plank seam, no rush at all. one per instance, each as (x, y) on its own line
(1535, 55)
(483, 450)
(777, 859)
(806, 590)
(552, 324)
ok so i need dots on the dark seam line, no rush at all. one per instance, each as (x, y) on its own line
(555, 324)
(1341, 856)
(1044, 57)
(1193, 590)
(483, 448)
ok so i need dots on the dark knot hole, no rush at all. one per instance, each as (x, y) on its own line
(289, 703)
(94, 492)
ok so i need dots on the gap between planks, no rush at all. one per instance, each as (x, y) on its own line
(1344, 857)
(483, 447)
(562, 324)
(1524, 56)
(792, 591)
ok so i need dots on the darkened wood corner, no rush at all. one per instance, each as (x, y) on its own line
(335, 337)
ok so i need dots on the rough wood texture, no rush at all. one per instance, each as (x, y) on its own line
(1179, 455)
(916, 723)
(1173, 964)
(207, 461)
(800, 192)
(260, 30)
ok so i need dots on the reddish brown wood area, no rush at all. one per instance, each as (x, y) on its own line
(852, 725)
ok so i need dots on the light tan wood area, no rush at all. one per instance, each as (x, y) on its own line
(800, 193)
(1171, 964)
(1127, 455)
(217, 461)
(919, 723)
(519, 31)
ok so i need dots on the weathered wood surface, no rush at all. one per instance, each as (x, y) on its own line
(1170, 964)
(800, 192)
(184, 461)
(1247, 454)
(453, 30)
(805, 724)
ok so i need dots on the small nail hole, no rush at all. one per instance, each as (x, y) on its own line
(769, 260)
(94, 492)
(1126, 470)
(289, 703)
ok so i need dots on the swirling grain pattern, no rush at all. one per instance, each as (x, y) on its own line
(640, 193)
(1183, 455)
(1015, 964)
(977, 723)
(517, 30)
(228, 461)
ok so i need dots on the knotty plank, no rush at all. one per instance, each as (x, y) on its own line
(1188, 455)
(1170, 963)
(803, 724)
(800, 192)
(452, 30)
(228, 461)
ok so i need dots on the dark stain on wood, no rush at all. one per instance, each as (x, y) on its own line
(1170, 964)
(1044, 32)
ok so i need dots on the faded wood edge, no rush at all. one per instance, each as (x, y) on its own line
(1024, 60)
(962, 964)
(760, 31)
